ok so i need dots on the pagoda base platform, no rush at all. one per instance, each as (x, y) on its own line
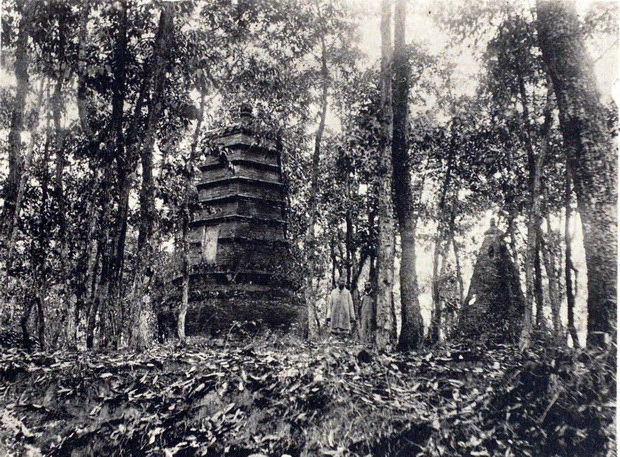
(223, 313)
(219, 309)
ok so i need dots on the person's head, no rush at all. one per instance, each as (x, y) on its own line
(368, 287)
(341, 283)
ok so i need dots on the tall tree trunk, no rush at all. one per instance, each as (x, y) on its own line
(538, 284)
(441, 250)
(99, 206)
(155, 107)
(512, 232)
(16, 161)
(83, 109)
(57, 108)
(372, 217)
(592, 155)
(443, 226)
(568, 262)
(552, 276)
(313, 323)
(533, 276)
(40, 317)
(412, 328)
(530, 254)
(385, 218)
(136, 322)
(334, 259)
(23, 322)
(459, 271)
(22, 181)
(434, 332)
(88, 266)
(42, 239)
(94, 310)
(113, 229)
(186, 219)
(348, 242)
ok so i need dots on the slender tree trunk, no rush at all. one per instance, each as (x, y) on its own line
(512, 232)
(538, 284)
(348, 242)
(59, 195)
(592, 156)
(184, 294)
(57, 108)
(155, 107)
(412, 328)
(94, 312)
(112, 231)
(95, 281)
(40, 318)
(445, 318)
(554, 289)
(23, 179)
(99, 207)
(533, 278)
(89, 266)
(314, 325)
(27, 340)
(372, 270)
(334, 259)
(186, 219)
(83, 109)
(359, 267)
(42, 239)
(59, 191)
(459, 271)
(16, 161)
(442, 227)
(124, 167)
(385, 218)
(530, 253)
(568, 262)
(439, 265)
(152, 87)
(434, 333)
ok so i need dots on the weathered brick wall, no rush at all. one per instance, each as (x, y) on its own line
(238, 187)
(217, 315)
(240, 275)
(255, 154)
(242, 170)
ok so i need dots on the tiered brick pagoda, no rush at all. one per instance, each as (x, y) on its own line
(238, 247)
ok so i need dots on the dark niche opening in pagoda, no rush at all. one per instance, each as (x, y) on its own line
(238, 250)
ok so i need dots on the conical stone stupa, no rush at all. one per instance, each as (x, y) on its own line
(494, 306)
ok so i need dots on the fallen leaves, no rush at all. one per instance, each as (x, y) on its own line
(317, 399)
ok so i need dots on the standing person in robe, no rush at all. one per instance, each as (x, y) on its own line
(340, 312)
(367, 316)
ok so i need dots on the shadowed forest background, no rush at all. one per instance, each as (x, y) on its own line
(403, 128)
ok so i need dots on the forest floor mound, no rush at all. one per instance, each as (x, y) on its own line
(280, 396)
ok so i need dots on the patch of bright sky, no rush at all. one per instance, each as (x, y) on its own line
(423, 29)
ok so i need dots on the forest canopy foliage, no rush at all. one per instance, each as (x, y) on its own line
(107, 109)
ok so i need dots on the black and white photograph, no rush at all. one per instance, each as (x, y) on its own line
(309, 228)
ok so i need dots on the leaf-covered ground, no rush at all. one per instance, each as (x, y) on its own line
(280, 397)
